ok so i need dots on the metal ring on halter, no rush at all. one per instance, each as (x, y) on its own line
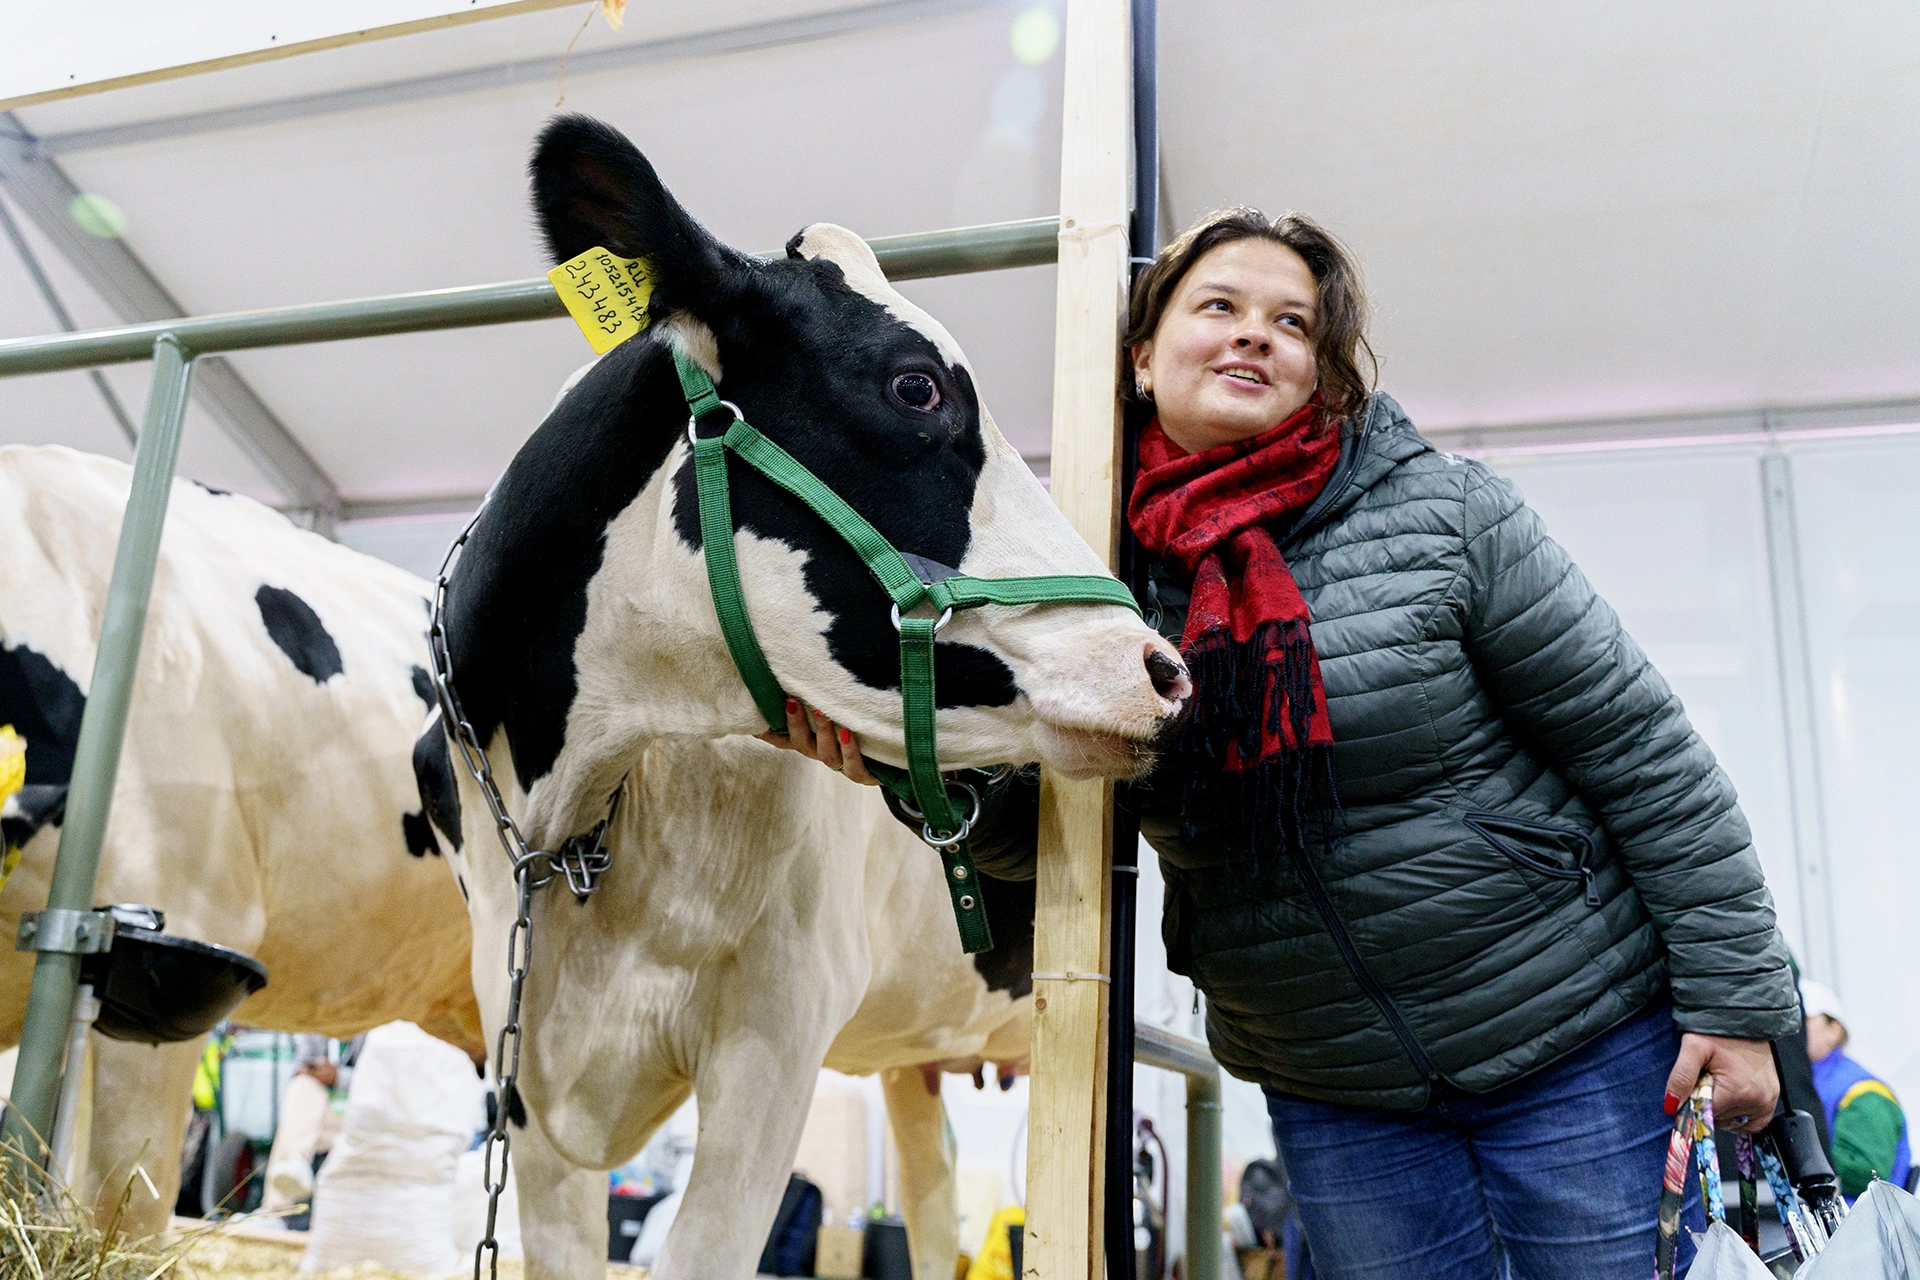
(693, 423)
(946, 616)
(927, 832)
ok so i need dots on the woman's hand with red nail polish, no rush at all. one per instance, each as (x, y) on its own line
(816, 737)
(1745, 1086)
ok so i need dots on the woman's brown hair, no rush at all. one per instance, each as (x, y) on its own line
(1340, 325)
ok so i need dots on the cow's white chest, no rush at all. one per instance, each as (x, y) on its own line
(734, 909)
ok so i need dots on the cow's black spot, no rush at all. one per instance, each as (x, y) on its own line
(29, 809)
(433, 774)
(516, 1109)
(44, 706)
(419, 834)
(1009, 966)
(423, 688)
(218, 493)
(518, 598)
(297, 629)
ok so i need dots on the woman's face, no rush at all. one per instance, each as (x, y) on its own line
(1233, 355)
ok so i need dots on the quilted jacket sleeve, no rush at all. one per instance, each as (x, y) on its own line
(1578, 690)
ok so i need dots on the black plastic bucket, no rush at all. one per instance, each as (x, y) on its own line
(155, 988)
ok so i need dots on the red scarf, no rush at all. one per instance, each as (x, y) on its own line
(1260, 710)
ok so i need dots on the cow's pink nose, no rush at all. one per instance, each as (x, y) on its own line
(1170, 679)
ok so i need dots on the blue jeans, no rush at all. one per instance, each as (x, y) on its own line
(1555, 1176)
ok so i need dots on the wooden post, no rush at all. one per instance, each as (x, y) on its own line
(1065, 1130)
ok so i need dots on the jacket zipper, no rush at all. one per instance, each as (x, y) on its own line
(1323, 903)
(1580, 870)
(1322, 900)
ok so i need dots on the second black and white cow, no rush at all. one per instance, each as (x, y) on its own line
(265, 798)
(741, 935)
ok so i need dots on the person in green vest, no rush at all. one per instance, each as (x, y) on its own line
(1869, 1129)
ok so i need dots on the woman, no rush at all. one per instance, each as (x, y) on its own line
(1465, 892)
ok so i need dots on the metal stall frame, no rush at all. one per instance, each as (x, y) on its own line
(1157, 1047)
(66, 930)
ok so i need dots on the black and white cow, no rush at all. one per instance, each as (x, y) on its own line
(762, 916)
(266, 797)
(268, 800)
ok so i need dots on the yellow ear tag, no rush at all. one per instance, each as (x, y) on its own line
(606, 295)
(13, 776)
(13, 762)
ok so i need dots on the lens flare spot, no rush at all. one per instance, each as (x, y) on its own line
(1036, 34)
(98, 216)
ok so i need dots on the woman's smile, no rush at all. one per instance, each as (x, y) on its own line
(1243, 377)
(1234, 352)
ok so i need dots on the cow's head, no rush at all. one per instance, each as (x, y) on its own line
(591, 549)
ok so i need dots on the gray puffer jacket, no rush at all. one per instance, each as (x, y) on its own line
(1534, 843)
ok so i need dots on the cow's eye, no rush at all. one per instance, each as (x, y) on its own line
(916, 391)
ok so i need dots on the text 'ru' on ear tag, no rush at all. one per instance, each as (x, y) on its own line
(605, 294)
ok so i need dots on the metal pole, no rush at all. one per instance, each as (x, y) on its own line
(62, 316)
(1799, 698)
(1203, 1176)
(1131, 569)
(959, 251)
(67, 1162)
(1158, 1047)
(56, 974)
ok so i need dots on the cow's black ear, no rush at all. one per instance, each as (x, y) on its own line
(592, 187)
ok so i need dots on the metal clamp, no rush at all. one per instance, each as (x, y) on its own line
(78, 933)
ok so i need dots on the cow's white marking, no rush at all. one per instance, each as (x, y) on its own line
(854, 257)
(696, 340)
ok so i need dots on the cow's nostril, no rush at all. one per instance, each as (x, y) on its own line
(1169, 678)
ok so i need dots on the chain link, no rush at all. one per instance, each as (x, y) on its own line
(581, 859)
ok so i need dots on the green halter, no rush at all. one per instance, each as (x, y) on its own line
(922, 789)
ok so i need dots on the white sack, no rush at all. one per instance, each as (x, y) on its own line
(1879, 1240)
(385, 1193)
(1724, 1256)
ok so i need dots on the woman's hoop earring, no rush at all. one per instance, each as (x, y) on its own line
(1140, 390)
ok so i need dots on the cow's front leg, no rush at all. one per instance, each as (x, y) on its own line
(753, 1093)
(563, 1210)
(142, 1095)
(929, 1196)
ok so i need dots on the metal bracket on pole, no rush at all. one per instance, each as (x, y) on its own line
(77, 933)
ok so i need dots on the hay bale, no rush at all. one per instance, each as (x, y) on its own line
(51, 1236)
(240, 1250)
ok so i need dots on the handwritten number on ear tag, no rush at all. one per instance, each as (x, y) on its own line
(606, 295)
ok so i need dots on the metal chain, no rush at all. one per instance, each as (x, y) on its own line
(580, 859)
(506, 1070)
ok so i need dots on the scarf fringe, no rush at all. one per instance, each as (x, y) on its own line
(1246, 691)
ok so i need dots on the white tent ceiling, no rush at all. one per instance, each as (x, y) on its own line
(1565, 212)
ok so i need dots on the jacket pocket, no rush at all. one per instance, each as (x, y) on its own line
(1559, 853)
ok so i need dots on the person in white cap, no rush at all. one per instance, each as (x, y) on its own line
(1869, 1129)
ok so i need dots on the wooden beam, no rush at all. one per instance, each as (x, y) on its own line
(275, 52)
(1065, 1133)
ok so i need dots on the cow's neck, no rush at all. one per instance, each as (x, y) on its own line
(580, 623)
